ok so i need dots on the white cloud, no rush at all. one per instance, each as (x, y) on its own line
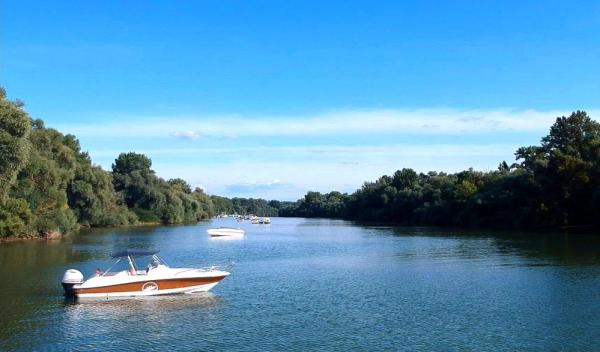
(186, 134)
(348, 155)
(288, 172)
(341, 122)
(320, 157)
(262, 183)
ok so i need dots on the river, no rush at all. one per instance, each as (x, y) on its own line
(315, 284)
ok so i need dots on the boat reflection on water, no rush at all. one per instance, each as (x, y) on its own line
(226, 232)
(91, 320)
(114, 307)
(227, 238)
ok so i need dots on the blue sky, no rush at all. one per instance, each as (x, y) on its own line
(274, 98)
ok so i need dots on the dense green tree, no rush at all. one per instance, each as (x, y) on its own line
(15, 218)
(180, 184)
(405, 178)
(49, 185)
(94, 200)
(134, 178)
(206, 209)
(315, 204)
(259, 207)
(222, 205)
(154, 199)
(14, 143)
(566, 171)
(43, 182)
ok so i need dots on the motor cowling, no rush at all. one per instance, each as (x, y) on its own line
(71, 278)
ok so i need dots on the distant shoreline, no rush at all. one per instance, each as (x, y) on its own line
(51, 187)
(572, 230)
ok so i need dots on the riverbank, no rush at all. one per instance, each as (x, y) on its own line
(499, 231)
(54, 235)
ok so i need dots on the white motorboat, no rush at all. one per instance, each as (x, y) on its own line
(225, 231)
(254, 220)
(266, 220)
(156, 279)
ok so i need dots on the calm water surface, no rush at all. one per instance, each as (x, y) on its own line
(301, 284)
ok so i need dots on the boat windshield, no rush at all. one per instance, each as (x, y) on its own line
(122, 265)
(154, 262)
(132, 265)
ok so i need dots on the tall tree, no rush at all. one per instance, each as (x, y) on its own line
(14, 145)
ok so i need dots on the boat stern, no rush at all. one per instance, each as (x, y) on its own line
(70, 279)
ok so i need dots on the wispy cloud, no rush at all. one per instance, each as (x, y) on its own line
(252, 187)
(341, 122)
(349, 155)
(283, 157)
(187, 134)
(288, 172)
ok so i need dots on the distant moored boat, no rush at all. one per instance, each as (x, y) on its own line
(225, 231)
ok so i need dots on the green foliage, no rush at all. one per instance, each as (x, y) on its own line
(43, 181)
(94, 200)
(133, 177)
(128, 163)
(206, 208)
(222, 205)
(154, 199)
(180, 185)
(566, 171)
(259, 207)
(14, 145)
(146, 216)
(48, 184)
(315, 204)
(15, 217)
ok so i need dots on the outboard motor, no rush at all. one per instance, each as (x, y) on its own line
(71, 278)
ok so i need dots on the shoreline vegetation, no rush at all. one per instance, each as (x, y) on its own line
(553, 186)
(49, 186)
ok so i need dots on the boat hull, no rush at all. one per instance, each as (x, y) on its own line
(223, 232)
(150, 287)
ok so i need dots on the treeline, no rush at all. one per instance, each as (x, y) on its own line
(243, 206)
(48, 185)
(552, 185)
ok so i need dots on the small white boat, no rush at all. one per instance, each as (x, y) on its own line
(254, 219)
(225, 231)
(266, 220)
(156, 279)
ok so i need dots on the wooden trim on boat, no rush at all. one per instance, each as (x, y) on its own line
(161, 284)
